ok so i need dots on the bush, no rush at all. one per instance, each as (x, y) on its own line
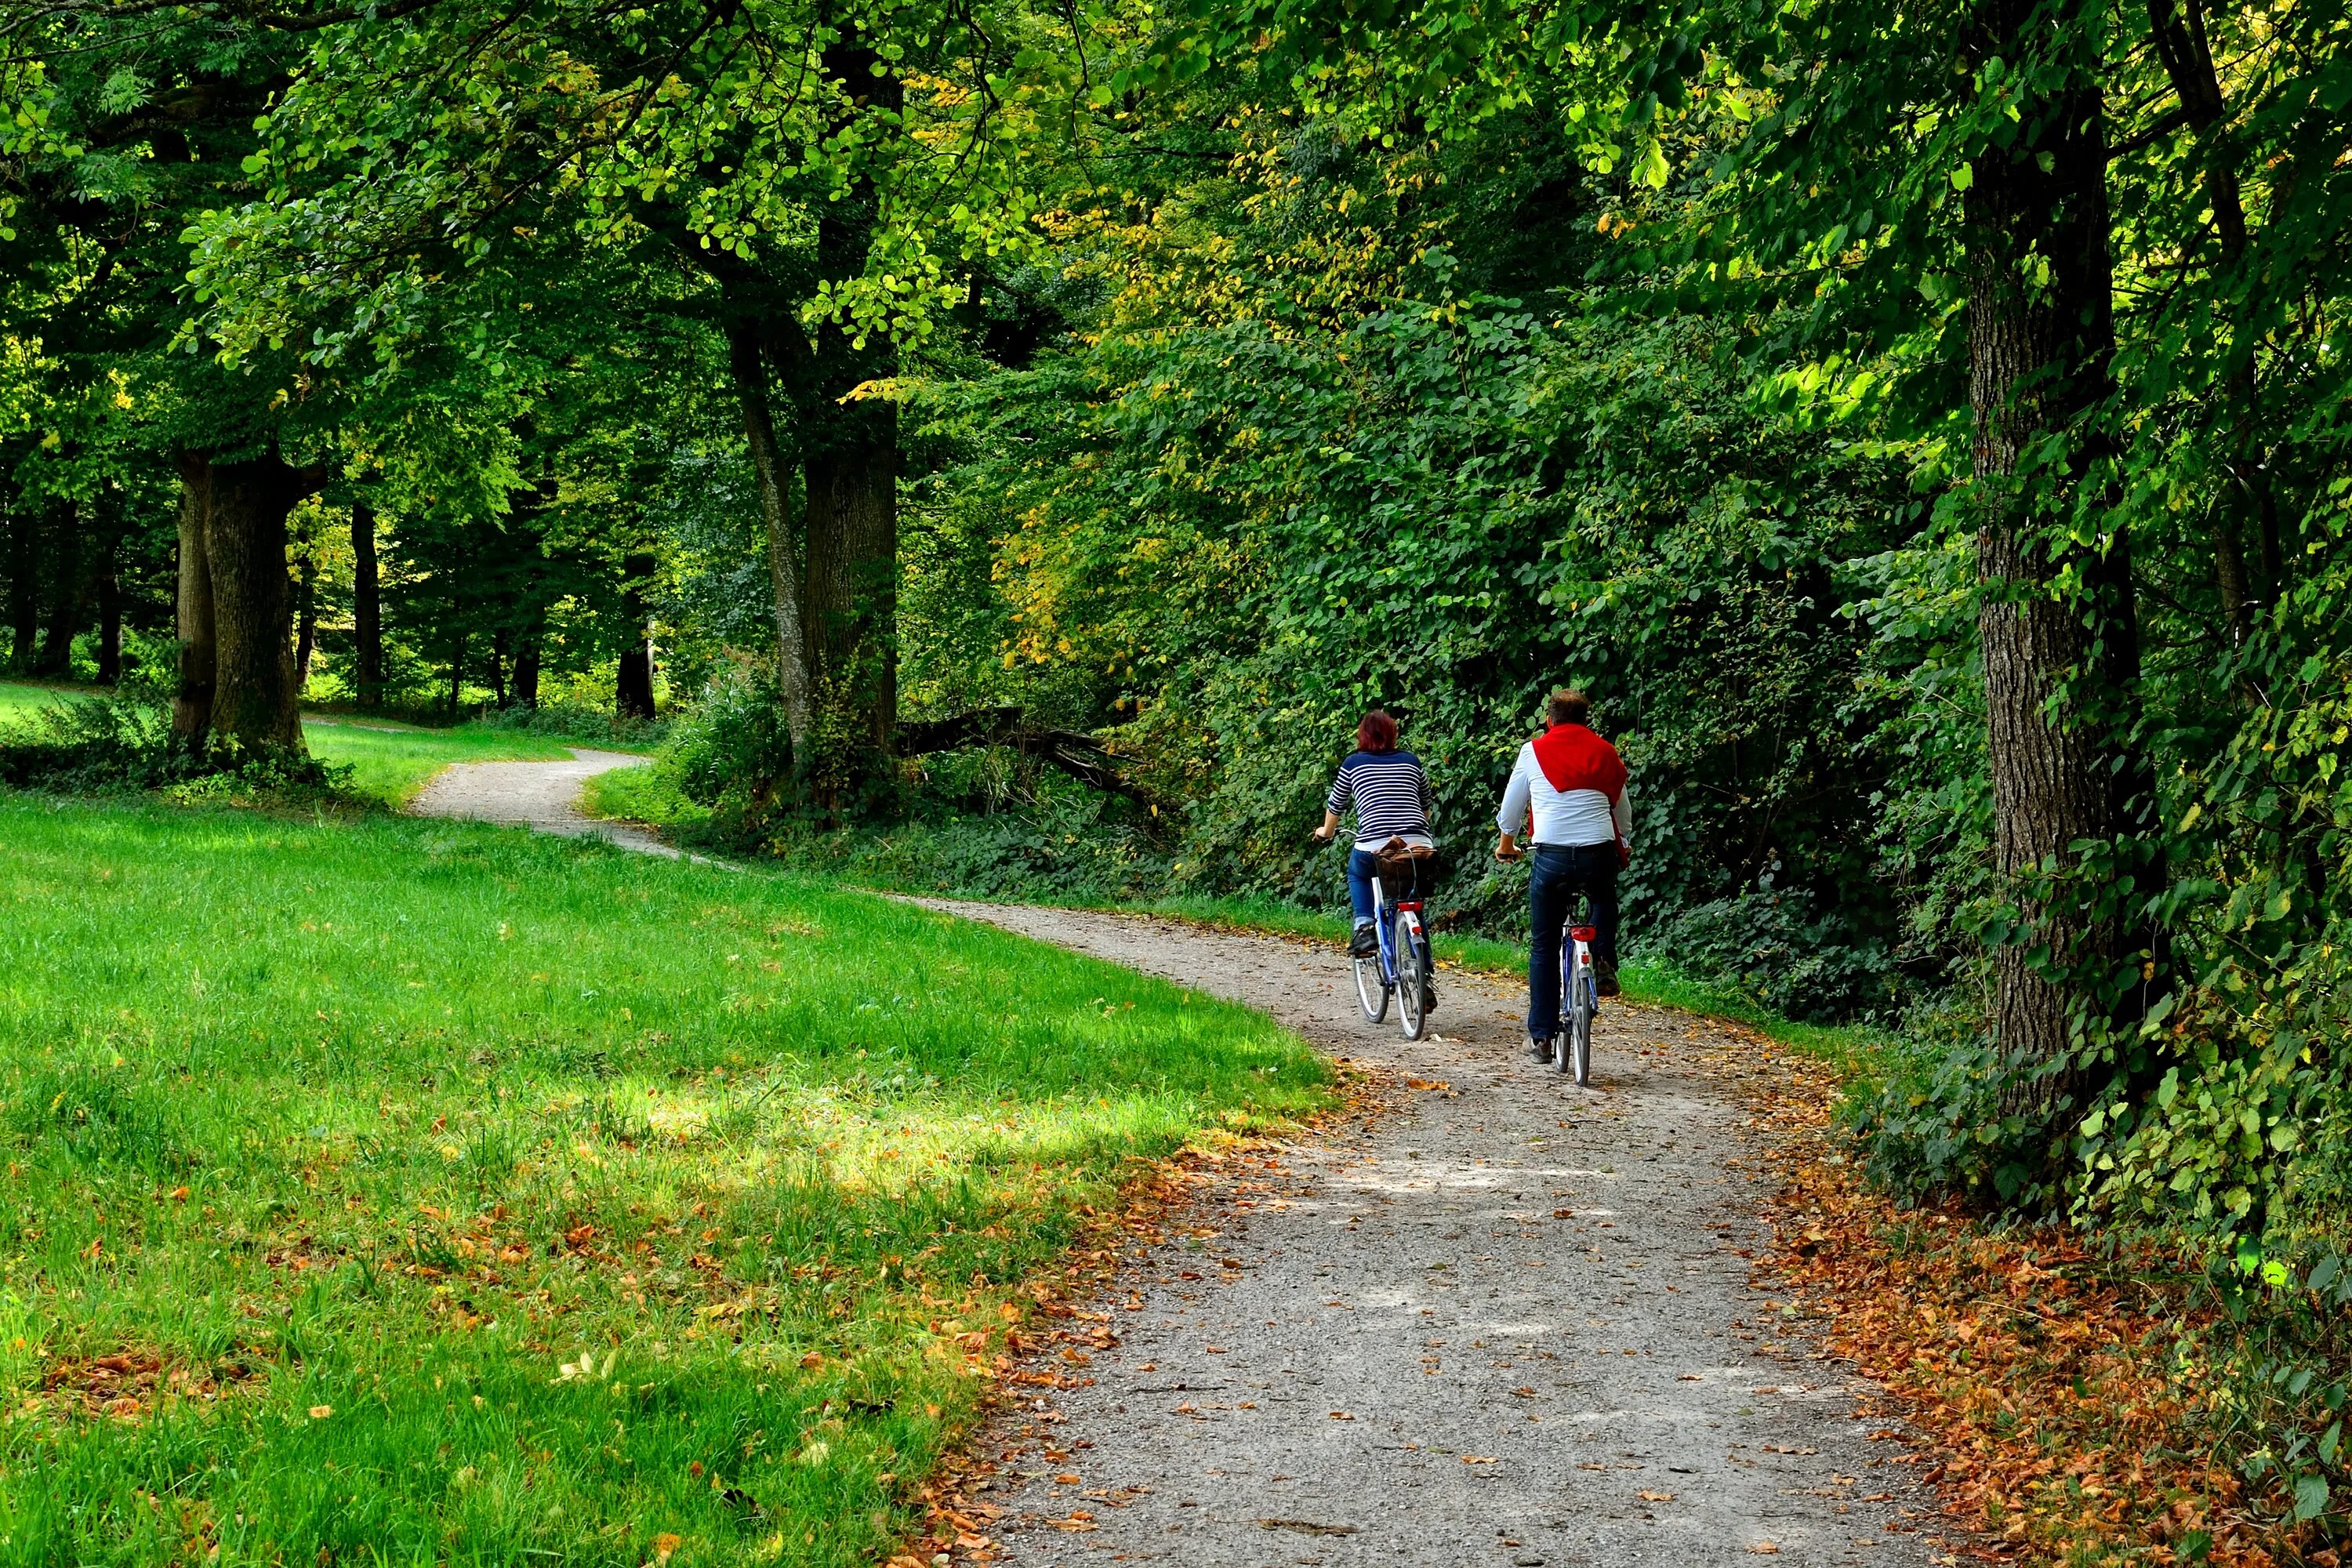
(577, 721)
(1775, 948)
(97, 745)
(729, 753)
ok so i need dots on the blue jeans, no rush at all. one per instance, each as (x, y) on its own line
(1556, 878)
(1362, 867)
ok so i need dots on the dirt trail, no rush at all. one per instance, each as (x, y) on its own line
(1509, 1322)
(1506, 1321)
(543, 795)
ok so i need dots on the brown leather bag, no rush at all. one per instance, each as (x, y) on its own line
(1407, 872)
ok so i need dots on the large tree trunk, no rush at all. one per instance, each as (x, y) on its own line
(367, 609)
(853, 570)
(66, 592)
(2063, 771)
(255, 700)
(192, 705)
(771, 468)
(23, 585)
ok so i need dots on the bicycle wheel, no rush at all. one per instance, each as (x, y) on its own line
(1371, 990)
(1413, 979)
(1580, 1028)
(1563, 1055)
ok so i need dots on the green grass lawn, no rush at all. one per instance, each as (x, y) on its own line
(19, 697)
(390, 761)
(410, 1192)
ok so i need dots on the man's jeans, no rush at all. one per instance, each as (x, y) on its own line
(1556, 878)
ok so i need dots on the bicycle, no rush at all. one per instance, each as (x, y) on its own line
(1579, 1002)
(1402, 966)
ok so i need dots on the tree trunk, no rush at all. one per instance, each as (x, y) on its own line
(192, 706)
(772, 466)
(2177, 29)
(2063, 772)
(853, 570)
(633, 695)
(526, 667)
(306, 623)
(110, 610)
(457, 671)
(255, 700)
(499, 668)
(23, 583)
(65, 592)
(367, 609)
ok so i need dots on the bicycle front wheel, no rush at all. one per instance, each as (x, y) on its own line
(1371, 991)
(1412, 978)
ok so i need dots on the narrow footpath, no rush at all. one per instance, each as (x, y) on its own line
(1506, 1321)
(1502, 1320)
(540, 795)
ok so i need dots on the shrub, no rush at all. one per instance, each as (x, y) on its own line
(1776, 947)
(124, 741)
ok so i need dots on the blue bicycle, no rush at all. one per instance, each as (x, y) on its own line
(1402, 966)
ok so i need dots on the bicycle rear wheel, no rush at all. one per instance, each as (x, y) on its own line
(1371, 991)
(1413, 979)
(1580, 1026)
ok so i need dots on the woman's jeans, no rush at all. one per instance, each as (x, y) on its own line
(1362, 867)
(1556, 878)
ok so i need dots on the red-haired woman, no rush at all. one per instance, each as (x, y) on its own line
(1390, 797)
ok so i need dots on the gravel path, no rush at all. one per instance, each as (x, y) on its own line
(1504, 1321)
(1507, 1322)
(541, 795)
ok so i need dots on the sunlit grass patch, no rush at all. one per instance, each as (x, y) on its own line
(421, 1191)
(391, 762)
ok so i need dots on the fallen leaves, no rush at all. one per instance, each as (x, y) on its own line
(2038, 1370)
(1341, 1416)
(1655, 1497)
(321, 1412)
(1764, 1549)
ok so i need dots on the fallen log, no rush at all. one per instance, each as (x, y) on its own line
(1082, 757)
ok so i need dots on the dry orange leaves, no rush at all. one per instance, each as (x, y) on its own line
(2039, 1376)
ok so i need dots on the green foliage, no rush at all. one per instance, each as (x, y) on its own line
(389, 1129)
(82, 744)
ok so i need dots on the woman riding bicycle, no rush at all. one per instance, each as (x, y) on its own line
(1390, 797)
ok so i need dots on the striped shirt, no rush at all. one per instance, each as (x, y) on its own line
(1389, 793)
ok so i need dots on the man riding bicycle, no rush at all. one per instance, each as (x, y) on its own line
(1572, 783)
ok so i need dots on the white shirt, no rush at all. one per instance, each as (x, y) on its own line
(1572, 817)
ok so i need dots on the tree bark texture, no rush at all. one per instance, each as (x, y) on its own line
(192, 705)
(2039, 357)
(772, 466)
(255, 700)
(367, 609)
(65, 591)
